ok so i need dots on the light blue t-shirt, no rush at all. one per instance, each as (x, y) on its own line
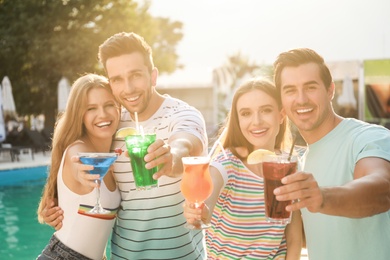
(332, 160)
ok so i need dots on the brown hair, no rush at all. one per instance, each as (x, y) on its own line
(234, 137)
(69, 128)
(125, 43)
(297, 57)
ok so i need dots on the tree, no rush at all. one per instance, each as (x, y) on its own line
(43, 40)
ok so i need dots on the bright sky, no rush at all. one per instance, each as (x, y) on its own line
(339, 30)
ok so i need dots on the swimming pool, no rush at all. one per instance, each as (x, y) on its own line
(23, 176)
(21, 236)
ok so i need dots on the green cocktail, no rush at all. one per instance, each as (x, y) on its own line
(137, 147)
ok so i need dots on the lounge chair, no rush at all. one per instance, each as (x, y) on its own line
(15, 151)
(36, 140)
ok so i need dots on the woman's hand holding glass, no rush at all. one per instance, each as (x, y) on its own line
(83, 175)
(195, 216)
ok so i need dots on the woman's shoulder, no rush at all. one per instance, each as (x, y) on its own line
(76, 147)
(226, 156)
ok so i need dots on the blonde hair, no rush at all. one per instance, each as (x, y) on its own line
(69, 128)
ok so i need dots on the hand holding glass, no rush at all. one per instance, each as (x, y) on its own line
(137, 147)
(275, 167)
(196, 184)
(101, 162)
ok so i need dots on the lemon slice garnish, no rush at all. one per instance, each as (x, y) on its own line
(125, 131)
(257, 156)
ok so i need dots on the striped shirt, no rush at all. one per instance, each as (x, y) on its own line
(239, 229)
(150, 224)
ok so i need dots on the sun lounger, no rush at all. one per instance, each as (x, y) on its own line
(36, 141)
(15, 151)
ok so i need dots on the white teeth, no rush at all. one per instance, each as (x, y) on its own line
(258, 131)
(132, 99)
(304, 110)
(102, 124)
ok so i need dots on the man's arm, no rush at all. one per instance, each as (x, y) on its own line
(368, 194)
(183, 145)
(52, 214)
(168, 156)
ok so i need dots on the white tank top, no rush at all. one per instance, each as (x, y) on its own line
(84, 234)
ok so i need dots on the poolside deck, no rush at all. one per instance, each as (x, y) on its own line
(25, 160)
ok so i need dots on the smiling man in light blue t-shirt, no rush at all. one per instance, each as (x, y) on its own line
(343, 193)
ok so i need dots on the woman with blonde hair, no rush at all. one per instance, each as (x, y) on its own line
(88, 124)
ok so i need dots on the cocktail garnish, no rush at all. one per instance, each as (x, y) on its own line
(256, 156)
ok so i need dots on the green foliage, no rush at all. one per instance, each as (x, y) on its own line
(43, 40)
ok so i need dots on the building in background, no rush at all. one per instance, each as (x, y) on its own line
(377, 91)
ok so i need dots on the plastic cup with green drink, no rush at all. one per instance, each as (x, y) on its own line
(137, 147)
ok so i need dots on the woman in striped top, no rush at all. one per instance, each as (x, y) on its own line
(236, 208)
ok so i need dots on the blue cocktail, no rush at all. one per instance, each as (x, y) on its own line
(101, 163)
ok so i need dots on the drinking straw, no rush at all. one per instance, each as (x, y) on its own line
(292, 147)
(288, 173)
(136, 121)
(223, 149)
(218, 142)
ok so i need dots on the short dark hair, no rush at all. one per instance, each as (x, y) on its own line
(125, 43)
(297, 57)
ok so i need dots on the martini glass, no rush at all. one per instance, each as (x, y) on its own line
(101, 162)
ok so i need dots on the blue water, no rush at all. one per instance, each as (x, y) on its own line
(22, 176)
(21, 236)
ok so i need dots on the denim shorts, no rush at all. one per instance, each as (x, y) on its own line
(56, 250)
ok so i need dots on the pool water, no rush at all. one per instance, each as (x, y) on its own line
(21, 235)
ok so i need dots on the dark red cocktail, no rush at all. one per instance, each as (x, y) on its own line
(275, 167)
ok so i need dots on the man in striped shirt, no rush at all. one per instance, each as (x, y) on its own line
(150, 223)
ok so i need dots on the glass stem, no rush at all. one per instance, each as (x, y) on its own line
(97, 194)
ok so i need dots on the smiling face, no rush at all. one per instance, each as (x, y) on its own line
(101, 117)
(259, 119)
(132, 84)
(306, 100)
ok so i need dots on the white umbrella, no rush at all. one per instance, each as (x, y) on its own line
(347, 97)
(2, 125)
(63, 90)
(8, 98)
